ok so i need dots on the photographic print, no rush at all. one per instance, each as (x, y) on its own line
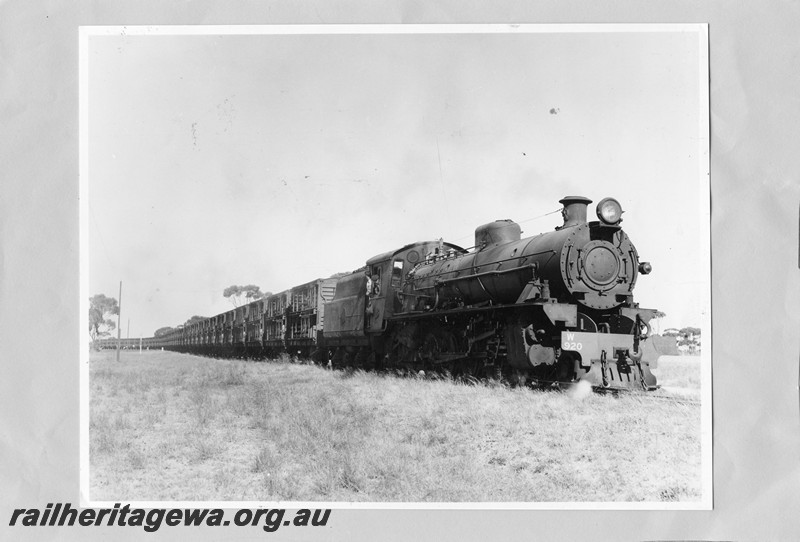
(396, 265)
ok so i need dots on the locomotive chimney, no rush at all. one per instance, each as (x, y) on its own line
(574, 211)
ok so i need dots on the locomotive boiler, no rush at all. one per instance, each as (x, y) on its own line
(553, 308)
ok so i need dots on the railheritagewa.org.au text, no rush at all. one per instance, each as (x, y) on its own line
(63, 514)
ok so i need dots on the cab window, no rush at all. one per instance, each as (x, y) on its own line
(397, 273)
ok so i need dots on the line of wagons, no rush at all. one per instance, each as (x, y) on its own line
(290, 321)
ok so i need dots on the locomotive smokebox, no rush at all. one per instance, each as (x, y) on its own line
(498, 232)
(574, 211)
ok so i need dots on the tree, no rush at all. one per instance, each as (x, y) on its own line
(194, 320)
(241, 295)
(160, 332)
(100, 310)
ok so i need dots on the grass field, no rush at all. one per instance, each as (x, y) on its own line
(166, 426)
(679, 374)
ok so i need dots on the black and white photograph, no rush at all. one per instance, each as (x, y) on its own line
(403, 270)
(443, 265)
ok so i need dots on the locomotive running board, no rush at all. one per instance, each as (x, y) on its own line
(556, 312)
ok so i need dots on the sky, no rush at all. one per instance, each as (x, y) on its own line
(276, 159)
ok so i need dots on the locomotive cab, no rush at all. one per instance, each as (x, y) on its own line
(388, 273)
(368, 297)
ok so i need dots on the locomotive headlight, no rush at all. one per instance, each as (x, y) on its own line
(609, 211)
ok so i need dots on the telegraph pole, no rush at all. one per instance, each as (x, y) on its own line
(119, 313)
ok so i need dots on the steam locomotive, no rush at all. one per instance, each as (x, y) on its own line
(555, 308)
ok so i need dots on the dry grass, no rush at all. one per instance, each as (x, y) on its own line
(679, 374)
(167, 426)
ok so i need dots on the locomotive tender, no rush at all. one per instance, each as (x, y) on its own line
(555, 308)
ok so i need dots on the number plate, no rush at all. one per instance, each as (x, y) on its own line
(592, 343)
